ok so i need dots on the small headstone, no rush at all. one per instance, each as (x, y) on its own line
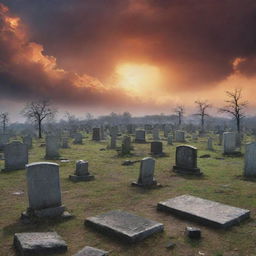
(204, 211)
(250, 160)
(52, 147)
(229, 143)
(96, 134)
(127, 226)
(156, 148)
(193, 233)
(15, 155)
(140, 136)
(78, 138)
(126, 145)
(81, 172)
(170, 140)
(146, 176)
(186, 160)
(91, 251)
(39, 243)
(179, 136)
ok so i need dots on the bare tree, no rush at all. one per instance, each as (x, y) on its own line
(203, 106)
(4, 118)
(235, 106)
(179, 110)
(38, 111)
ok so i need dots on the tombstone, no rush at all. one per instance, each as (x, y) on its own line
(210, 144)
(28, 141)
(170, 140)
(78, 138)
(220, 138)
(91, 251)
(44, 194)
(65, 143)
(140, 136)
(124, 225)
(166, 131)
(113, 137)
(4, 139)
(156, 148)
(39, 243)
(16, 156)
(81, 172)
(126, 145)
(250, 160)
(96, 134)
(155, 133)
(102, 133)
(186, 160)
(146, 176)
(229, 143)
(52, 147)
(204, 211)
(179, 136)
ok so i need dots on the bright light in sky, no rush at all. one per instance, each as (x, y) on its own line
(138, 78)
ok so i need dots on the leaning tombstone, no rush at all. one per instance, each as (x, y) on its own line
(156, 148)
(229, 143)
(96, 134)
(28, 141)
(78, 138)
(81, 172)
(146, 176)
(179, 136)
(52, 147)
(126, 145)
(250, 160)
(16, 156)
(44, 193)
(140, 136)
(186, 160)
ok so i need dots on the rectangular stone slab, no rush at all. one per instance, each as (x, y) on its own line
(127, 226)
(204, 211)
(91, 251)
(39, 243)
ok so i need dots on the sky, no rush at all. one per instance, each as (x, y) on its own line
(141, 56)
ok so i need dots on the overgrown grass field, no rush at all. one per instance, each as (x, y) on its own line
(111, 189)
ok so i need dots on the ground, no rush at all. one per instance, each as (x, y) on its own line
(222, 182)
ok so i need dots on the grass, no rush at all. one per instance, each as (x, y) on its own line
(111, 189)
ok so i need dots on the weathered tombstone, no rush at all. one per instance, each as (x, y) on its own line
(127, 226)
(229, 143)
(15, 155)
(156, 148)
(81, 172)
(170, 140)
(126, 145)
(166, 131)
(102, 132)
(186, 160)
(44, 192)
(65, 143)
(91, 251)
(4, 139)
(113, 137)
(204, 211)
(179, 136)
(78, 138)
(210, 144)
(146, 176)
(52, 147)
(155, 133)
(39, 243)
(250, 160)
(96, 134)
(28, 141)
(140, 136)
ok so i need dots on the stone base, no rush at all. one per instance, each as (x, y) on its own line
(233, 154)
(91, 251)
(187, 171)
(52, 157)
(153, 185)
(81, 178)
(140, 141)
(126, 226)
(39, 243)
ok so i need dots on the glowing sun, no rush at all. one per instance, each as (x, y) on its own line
(138, 77)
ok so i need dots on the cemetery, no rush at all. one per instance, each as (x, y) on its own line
(45, 212)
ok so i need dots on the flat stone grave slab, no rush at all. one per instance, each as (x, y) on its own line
(39, 243)
(204, 211)
(125, 225)
(91, 251)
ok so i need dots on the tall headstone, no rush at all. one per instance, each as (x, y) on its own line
(179, 136)
(44, 193)
(96, 134)
(140, 136)
(81, 172)
(126, 145)
(15, 155)
(210, 144)
(102, 132)
(250, 160)
(229, 142)
(28, 141)
(146, 176)
(186, 160)
(52, 147)
(113, 137)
